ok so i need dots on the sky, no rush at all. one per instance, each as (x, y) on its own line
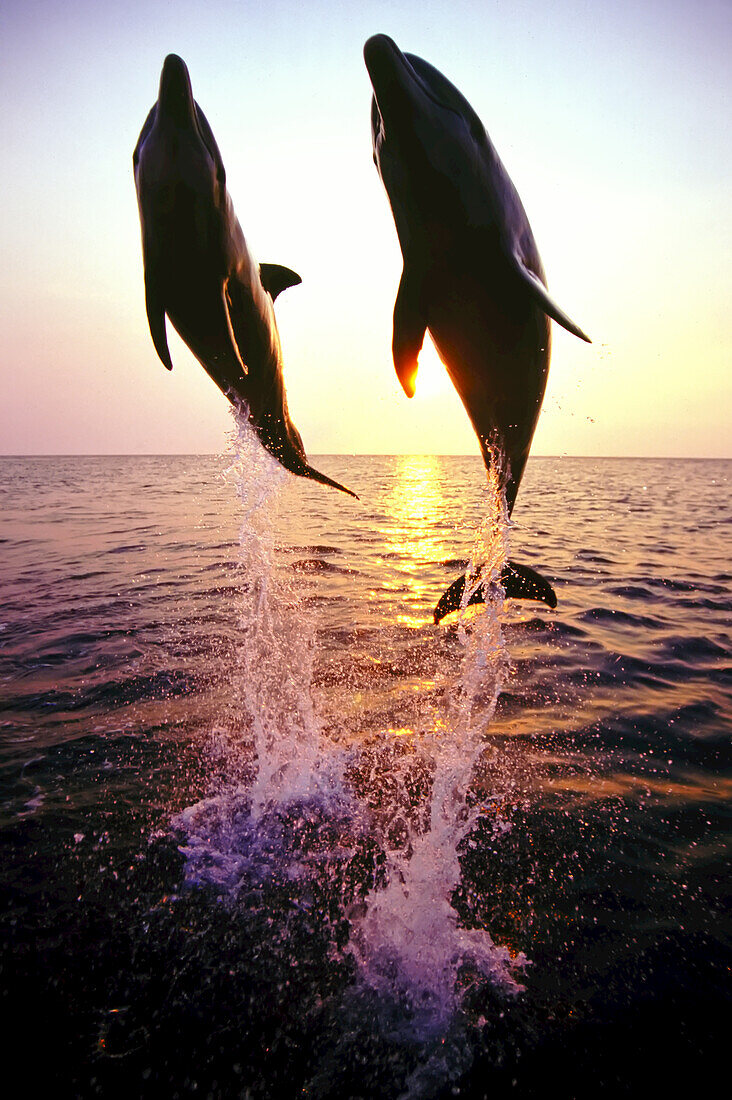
(612, 120)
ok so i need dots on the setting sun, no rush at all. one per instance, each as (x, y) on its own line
(432, 378)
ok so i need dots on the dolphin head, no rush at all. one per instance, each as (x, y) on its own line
(414, 102)
(175, 95)
(176, 148)
(430, 148)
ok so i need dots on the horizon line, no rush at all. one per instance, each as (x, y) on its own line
(359, 454)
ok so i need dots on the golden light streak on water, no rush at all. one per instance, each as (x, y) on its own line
(415, 506)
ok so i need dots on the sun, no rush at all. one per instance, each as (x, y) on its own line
(432, 378)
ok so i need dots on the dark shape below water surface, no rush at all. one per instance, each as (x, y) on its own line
(472, 272)
(200, 272)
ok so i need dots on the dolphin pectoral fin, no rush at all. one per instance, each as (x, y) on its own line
(541, 296)
(156, 320)
(520, 582)
(410, 326)
(228, 300)
(276, 278)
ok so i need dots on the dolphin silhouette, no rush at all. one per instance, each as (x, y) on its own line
(472, 274)
(200, 272)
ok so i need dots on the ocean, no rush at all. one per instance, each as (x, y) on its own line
(267, 831)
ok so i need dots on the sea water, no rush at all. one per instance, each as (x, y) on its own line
(268, 831)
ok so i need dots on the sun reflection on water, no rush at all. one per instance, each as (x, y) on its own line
(416, 534)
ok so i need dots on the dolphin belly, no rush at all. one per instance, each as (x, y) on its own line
(496, 353)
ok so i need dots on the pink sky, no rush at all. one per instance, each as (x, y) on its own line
(613, 122)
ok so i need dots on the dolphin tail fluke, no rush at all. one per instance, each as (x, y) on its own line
(520, 582)
(544, 300)
(451, 599)
(323, 479)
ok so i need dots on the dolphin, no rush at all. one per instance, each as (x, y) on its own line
(200, 272)
(472, 273)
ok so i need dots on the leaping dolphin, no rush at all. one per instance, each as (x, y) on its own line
(472, 274)
(200, 272)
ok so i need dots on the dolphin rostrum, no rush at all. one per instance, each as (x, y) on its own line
(472, 273)
(200, 272)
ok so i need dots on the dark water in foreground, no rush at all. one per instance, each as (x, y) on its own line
(268, 832)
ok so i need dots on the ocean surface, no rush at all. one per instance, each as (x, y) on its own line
(266, 831)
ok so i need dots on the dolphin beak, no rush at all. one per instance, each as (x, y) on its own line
(377, 47)
(175, 96)
(392, 77)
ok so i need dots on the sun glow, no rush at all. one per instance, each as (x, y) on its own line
(432, 378)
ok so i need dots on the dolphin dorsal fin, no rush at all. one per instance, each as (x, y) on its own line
(541, 296)
(276, 278)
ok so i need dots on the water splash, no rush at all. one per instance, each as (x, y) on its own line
(409, 939)
(275, 659)
(298, 819)
(266, 756)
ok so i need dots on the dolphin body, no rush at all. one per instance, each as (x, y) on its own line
(200, 272)
(472, 273)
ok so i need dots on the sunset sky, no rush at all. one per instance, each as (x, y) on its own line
(612, 119)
